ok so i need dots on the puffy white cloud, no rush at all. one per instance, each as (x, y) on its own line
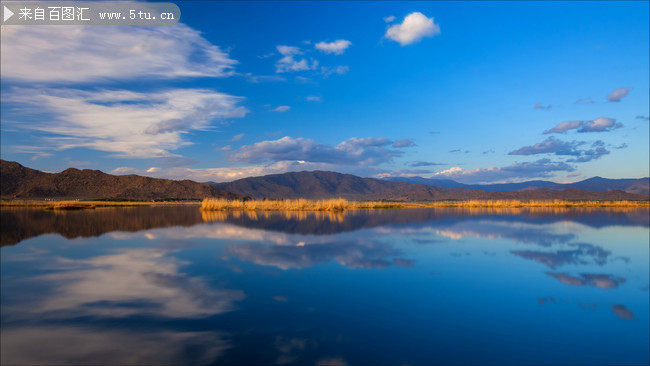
(536, 169)
(600, 124)
(290, 63)
(128, 124)
(550, 146)
(72, 54)
(554, 146)
(354, 151)
(564, 126)
(413, 28)
(617, 94)
(281, 108)
(337, 47)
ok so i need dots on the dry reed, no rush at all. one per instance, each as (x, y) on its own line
(210, 204)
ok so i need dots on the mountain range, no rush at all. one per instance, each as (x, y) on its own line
(21, 182)
(597, 184)
(18, 181)
(323, 184)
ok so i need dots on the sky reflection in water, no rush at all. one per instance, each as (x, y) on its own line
(431, 286)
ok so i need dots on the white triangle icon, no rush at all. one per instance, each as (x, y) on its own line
(8, 13)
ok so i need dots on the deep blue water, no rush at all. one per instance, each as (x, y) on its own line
(387, 287)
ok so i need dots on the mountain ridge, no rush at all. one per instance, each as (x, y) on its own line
(322, 184)
(22, 182)
(596, 184)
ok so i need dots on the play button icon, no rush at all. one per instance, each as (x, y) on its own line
(7, 13)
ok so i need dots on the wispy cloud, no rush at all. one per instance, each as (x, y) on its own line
(617, 94)
(551, 145)
(281, 108)
(90, 53)
(291, 62)
(337, 47)
(128, 124)
(537, 169)
(601, 124)
(413, 28)
(404, 143)
(313, 98)
(237, 137)
(586, 100)
(389, 19)
(539, 105)
(555, 146)
(354, 151)
(644, 118)
(339, 70)
(564, 127)
(417, 164)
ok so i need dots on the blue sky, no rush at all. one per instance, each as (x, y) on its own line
(478, 92)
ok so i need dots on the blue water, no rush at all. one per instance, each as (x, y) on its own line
(386, 287)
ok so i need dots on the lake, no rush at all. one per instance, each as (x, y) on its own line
(153, 285)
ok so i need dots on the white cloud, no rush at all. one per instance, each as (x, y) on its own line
(600, 124)
(281, 108)
(564, 126)
(389, 19)
(337, 47)
(413, 28)
(537, 169)
(617, 94)
(153, 170)
(227, 174)
(314, 98)
(339, 70)
(404, 143)
(289, 62)
(128, 124)
(75, 54)
(354, 151)
(237, 137)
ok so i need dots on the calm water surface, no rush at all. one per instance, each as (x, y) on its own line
(387, 287)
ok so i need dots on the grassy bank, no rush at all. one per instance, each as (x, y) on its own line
(342, 204)
(79, 205)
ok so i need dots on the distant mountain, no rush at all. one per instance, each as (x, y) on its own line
(322, 184)
(596, 184)
(18, 181)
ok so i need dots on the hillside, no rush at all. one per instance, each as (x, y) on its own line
(321, 184)
(597, 184)
(18, 181)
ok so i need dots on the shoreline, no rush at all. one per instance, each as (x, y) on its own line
(332, 205)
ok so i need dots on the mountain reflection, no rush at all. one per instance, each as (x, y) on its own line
(524, 225)
(172, 285)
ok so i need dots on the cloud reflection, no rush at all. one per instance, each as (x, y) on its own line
(131, 282)
(82, 346)
(603, 281)
(622, 312)
(581, 255)
(352, 254)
